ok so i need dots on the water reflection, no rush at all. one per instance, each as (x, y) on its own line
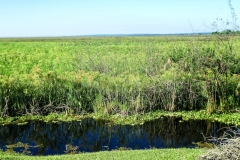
(90, 135)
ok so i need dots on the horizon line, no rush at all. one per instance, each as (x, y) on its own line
(109, 35)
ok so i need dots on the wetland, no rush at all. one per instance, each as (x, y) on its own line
(156, 92)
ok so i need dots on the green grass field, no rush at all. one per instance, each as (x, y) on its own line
(155, 154)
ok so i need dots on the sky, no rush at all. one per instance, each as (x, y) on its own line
(44, 18)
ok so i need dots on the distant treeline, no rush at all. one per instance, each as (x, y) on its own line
(227, 31)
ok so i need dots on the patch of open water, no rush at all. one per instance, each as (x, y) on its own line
(88, 135)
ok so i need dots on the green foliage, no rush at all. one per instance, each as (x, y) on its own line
(118, 75)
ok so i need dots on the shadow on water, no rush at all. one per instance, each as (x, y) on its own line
(88, 135)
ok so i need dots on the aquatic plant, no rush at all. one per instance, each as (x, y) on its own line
(24, 147)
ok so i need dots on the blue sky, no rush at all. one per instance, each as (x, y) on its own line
(29, 18)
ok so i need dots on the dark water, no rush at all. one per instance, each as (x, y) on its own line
(39, 138)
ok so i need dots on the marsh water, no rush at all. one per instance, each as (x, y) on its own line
(88, 135)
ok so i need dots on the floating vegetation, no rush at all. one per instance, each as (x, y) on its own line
(22, 147)
(138, 119)
(23, 123)
(70, 149)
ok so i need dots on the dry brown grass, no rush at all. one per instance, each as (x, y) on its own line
(228, 145)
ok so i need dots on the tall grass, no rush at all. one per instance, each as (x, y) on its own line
(118, 75)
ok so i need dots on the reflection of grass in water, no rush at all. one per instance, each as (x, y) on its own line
(24, 147)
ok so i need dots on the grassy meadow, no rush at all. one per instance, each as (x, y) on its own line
(119, 75)
(155, 154)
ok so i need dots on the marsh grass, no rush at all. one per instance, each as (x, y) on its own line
(111, 75)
